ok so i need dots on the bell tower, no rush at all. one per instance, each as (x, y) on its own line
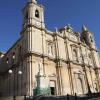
(32, 32)
(33, 24)
(87, 37)
(32, 1)
(33, 14)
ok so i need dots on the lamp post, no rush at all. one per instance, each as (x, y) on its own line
(20, 73)
(10, 72)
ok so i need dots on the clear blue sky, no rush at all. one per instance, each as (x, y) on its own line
(58, 13)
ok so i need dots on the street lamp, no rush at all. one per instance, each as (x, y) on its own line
(20, 72)
(10, 72)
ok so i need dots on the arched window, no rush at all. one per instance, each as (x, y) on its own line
(50, 47)
(13, 55)
(37, 14)
(13, 58)
(90, 59)
(19, 53)
(75, 55)
(7, 60)
(91, 39)
(26, 15)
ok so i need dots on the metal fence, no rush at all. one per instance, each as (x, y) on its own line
(68, 97)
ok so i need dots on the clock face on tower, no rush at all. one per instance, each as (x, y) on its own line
(38, 24)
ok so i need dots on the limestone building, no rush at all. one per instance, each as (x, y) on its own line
(60, 62)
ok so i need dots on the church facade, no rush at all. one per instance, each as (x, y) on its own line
(58, 63)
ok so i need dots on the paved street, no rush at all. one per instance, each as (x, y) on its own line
(95, 99)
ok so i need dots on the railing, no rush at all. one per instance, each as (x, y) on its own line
(68, 97)
(44, 97)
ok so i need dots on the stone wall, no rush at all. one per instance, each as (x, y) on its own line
(11, 98)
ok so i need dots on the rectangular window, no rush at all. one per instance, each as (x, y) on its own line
(50, 48)
(75, 54)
